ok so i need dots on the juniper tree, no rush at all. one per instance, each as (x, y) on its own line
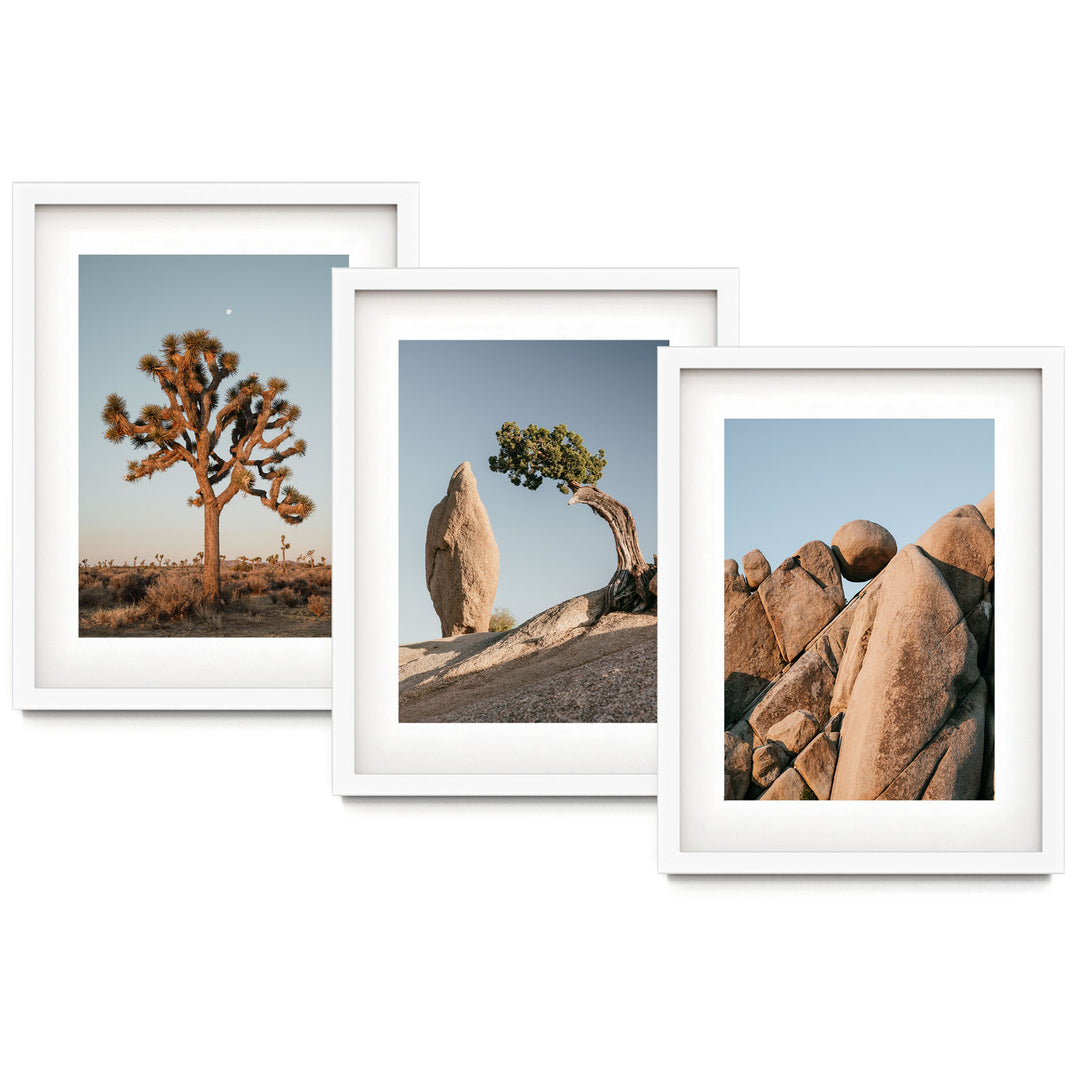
(535, 454)
(225, 447)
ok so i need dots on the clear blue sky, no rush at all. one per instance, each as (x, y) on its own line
(279, 324)
(790, 481)
(454, 396)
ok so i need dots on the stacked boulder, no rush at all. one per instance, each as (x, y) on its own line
(889, 696)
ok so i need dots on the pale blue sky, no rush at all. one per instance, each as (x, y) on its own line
(454, 396)
(279, 324)
(790, 481)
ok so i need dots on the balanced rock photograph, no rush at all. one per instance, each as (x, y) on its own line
(537, 602)
(863, 669)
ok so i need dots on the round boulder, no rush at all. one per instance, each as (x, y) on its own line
(863, 549)
(756, 567)
(731, 567)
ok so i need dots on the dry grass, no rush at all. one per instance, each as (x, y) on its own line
(166, 601)
(173, 596)
(115, 617)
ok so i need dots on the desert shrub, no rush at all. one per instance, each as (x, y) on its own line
(318, 606)
(208, 615)
(320, 578)
(501, 620)
(289, 597)
(257, 583)
(302, 585)
(116, 617)
(131, 587)
(93, 595)
(172, 596)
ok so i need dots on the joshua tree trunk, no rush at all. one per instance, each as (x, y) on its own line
(628, 589)
(211, 560)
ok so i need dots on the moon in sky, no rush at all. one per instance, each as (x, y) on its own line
(228, 310)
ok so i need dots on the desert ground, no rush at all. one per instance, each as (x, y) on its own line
(152, 600)
(565, 665)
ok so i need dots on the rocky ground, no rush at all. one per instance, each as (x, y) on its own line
(565, 665)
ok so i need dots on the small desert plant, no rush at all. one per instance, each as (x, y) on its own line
(289, 597)
(131, 587)
(257, 583)
(208, 615)
(501, 620)
(93, 595)
(318, 606)
(116, 617)
(172, 596)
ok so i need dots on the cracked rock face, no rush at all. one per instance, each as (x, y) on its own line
(461, 557)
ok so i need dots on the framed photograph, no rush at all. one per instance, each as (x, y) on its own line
(893, 666)
(491, 636)
(172, 389)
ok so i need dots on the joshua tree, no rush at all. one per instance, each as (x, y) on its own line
(284, 547)
(531, 455)
(191, 427)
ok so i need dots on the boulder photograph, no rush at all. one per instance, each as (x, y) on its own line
(861, 665)
(515, 604)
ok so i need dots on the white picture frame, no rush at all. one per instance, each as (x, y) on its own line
(371, 223)
(1021, 830)
(372, 311)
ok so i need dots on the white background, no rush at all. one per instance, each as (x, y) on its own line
(182, 894)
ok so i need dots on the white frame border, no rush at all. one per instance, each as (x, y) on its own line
(346, 284)
(26, 198)
(672, 858)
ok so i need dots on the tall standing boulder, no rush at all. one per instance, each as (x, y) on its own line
(918, 661)
(461, 557)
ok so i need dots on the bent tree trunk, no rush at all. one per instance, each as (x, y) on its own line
(628, 589)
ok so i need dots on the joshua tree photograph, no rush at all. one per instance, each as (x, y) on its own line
(189, 494)
(859, 610)
(515, 604)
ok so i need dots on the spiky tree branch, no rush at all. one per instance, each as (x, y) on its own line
(190, 369)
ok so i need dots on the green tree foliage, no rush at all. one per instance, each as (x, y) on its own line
(536, 453)
(501, 620)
